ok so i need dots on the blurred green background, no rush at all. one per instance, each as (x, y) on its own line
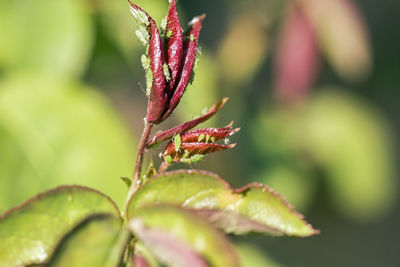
(72, 101)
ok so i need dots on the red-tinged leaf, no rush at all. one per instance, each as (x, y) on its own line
(140, 261)
(235, 223)
(166, 247)
(193, 149)
(189, 55)
(212, 134)
(253, 208)
(342, 35)
(178, 237)
(175, 45)
(158, 138)
(297, 57)
(158, 97)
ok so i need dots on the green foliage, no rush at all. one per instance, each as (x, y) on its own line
(97, 241)
(30, 233)
(345, 138)
(54, 130)
(254, 208)
(45, 35)
(40, 140)
(162, 228)
(252, 256)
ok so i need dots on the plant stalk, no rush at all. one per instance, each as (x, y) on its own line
(139, 160)
(163, 167)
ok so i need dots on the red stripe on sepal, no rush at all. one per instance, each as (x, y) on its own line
(175, 45)
(188, 58)
(158, 97)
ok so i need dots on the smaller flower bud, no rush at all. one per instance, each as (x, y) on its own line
(209, 134)
(189, 151)
(193, 145)
(182, 128)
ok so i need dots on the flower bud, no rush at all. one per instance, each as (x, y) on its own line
(209, 134)
(158, 97)
(193, 145)
(173, 34)
(166, 81)
(189, 56)
(184, 127)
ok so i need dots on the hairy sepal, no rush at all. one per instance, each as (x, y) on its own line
(158, 97)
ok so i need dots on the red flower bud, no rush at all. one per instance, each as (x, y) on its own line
(158, 98)
(212, 134)
(184, 127)
(168, 80)
(189, 56)
(174, 50)
(193, 145)
(189, 150)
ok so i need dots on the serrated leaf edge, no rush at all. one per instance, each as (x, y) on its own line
(240, 190)
(55, 190)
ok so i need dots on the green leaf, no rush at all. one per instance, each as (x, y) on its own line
(353, 143)
(53, 132)
(52, 36)
(30, 232)
(334, 21)
(347, 140)
(253, 208)
(97, 241)
(181, 238)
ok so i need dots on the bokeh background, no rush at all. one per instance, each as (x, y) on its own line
(312, 83)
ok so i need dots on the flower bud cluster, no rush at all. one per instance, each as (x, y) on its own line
(193, 145)
(169, 61)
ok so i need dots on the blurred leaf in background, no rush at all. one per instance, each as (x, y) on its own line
(252, 256)
(238, 59)
(344, 137)
(202, 94)
(55, 131)
(45, 35)
(342, 34)
(120, 26)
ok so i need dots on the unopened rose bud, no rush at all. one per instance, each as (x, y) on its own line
(193, 145)
(167, 77)
(173, 34)
(189, 56)
(209, 134)
(184, 127)
(158, 97)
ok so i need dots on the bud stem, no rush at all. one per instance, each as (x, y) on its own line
(139, 159)
(163, 167)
